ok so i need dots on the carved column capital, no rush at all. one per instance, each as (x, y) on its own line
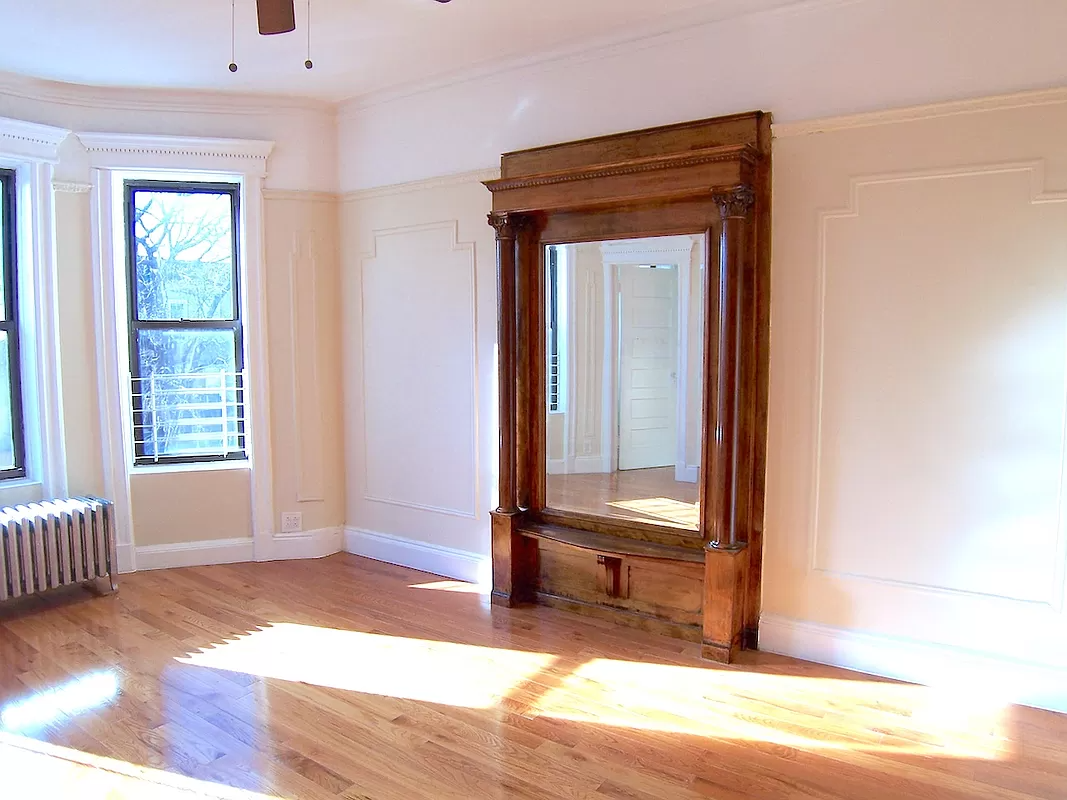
(736, 203)
(507, 223)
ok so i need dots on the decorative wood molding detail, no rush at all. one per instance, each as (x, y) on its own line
(71, 187)
(305, 385)
(30, 141)
(452, 226)
(736, 204)
(712, 155)
(137, 151)
(430, 184)
(1038, 196)
(1042, 97)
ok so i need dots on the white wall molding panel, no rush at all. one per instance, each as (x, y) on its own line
(411, 412)
(917, 444)
(419, 306)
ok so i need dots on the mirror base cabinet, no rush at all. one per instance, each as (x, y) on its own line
(633, 278)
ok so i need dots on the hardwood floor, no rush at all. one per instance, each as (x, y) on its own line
(353, 679)
(649, 495)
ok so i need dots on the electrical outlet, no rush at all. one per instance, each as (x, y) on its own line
(292, 522)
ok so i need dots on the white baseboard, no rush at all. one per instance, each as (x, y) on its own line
(282, 547)
(306, 544)
(588, 465)
(556, 466)
(125, 554)
(686, 473)
(193, 554)
(460, 565)
(1004, 679)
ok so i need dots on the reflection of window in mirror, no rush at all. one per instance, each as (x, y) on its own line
(556, 306)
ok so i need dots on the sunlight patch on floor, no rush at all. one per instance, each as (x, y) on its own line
(33, 769)
(391, 666)
(48, 706)
(458, 587)
(662, 509)
(807, 713)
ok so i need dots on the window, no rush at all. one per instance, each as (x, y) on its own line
(186, 336)
(12, 434)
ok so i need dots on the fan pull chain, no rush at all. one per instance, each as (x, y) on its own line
(308, 63)
(233, 35)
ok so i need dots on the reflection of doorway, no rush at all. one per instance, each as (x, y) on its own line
(648, 366)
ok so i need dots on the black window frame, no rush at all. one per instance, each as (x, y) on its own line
(10, 323)
(135, 325)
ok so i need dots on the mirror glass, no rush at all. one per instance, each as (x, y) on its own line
(625, 353)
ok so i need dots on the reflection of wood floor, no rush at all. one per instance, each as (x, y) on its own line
(649, 495)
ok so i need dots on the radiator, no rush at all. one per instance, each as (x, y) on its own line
(56, 543)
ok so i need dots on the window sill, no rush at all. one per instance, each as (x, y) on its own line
(206, 466)
(20, 483)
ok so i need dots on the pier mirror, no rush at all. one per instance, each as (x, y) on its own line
(633, 289)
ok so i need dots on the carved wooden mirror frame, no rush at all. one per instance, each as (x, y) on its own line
(709, 177)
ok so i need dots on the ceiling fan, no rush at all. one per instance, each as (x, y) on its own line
(279, 16)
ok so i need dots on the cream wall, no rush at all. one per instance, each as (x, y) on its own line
(175, 507)
(77, 344)
(804, 61)
(918, 365)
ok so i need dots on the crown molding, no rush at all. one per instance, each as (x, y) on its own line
(158, 100)
(440, 182)
(671, 29)
(137, 151)
(71, 187)
(1040, 97)
(28, 140)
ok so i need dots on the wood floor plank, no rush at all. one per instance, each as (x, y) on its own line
(347, 678)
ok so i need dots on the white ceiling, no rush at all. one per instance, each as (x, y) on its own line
(358, 46)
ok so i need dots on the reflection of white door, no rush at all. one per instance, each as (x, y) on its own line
(648, 358)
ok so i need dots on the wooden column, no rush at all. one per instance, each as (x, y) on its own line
(514, 556)
(506, 226)
(726, 458)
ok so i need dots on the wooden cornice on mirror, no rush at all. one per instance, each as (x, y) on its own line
(709, 177)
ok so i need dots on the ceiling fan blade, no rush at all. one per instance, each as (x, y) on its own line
(276, 16)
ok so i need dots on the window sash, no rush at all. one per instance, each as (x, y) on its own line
(136, 325)
(10, 323)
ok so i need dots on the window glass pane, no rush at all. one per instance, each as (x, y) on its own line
(7, 433)
(187, 393)
(184, 255)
